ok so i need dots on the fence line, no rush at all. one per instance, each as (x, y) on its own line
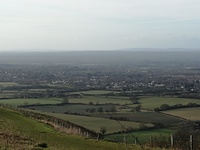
(60, 124)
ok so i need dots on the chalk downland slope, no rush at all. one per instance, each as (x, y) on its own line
(20, 132)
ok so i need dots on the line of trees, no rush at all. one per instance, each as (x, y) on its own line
(168, 107)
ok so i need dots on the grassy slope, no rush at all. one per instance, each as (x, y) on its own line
(42, 133)
(17, 124)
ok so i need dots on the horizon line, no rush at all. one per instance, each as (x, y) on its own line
(106, 50)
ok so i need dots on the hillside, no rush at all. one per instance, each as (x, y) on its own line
(19, 132)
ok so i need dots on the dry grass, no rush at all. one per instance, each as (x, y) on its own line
(187, 113)
(16, 141)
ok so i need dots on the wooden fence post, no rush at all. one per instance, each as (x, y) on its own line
(136, 139)
(97, 136)
(191, 142)
(150, 140)
(125, 140)
(172, 141)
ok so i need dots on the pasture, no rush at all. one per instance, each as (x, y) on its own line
(143, 136)
(8, 94)
(146, 117)
(156, 102)
(187, 113)
(70, 108)
(123, 104)
(5, 84)
(94, 92)
(101, 100)
(95, 123)
(30, 101)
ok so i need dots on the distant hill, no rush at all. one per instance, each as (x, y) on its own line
(158, 49)
(126, 57)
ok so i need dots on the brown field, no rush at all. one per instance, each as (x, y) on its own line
(187, 113)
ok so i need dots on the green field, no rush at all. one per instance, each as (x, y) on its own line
(5, 84)
(70, 108)
(94, 92)
(30, 101)
(156, 102)
(123, 105)
(101, 100)
(59, 85)
(95, 123)
(36, 90)
(16, 126)
(143, 136)
(187, 113)
(146, 117)
(8, 94)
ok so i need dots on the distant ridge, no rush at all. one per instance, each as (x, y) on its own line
(158, 49)
(117, 57)
(108, 50)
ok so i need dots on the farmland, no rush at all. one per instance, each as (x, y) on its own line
(7, 84)
(140, 98)
(77, 110)
(95, 123)
(29, 101)
(142, 136)
(147, 117)
(69, 108)
(102, 100)
(187, 113)
(95, 92)
(156, 102)
(35, 132)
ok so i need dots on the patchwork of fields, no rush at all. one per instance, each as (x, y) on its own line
(25, 133)
(95, 123)
(108, 109)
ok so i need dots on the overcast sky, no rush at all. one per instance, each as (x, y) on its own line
(99, 24)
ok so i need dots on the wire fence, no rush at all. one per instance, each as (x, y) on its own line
(179, 141)
(189, 142)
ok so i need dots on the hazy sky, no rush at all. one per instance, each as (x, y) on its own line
(99, 24)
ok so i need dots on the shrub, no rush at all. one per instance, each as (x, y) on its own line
(164, 107)
(43, 145)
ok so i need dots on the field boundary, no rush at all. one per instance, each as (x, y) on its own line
(173, 116)
(59, 124)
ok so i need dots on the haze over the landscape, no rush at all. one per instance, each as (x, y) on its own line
(100, 74)
(98, 24)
